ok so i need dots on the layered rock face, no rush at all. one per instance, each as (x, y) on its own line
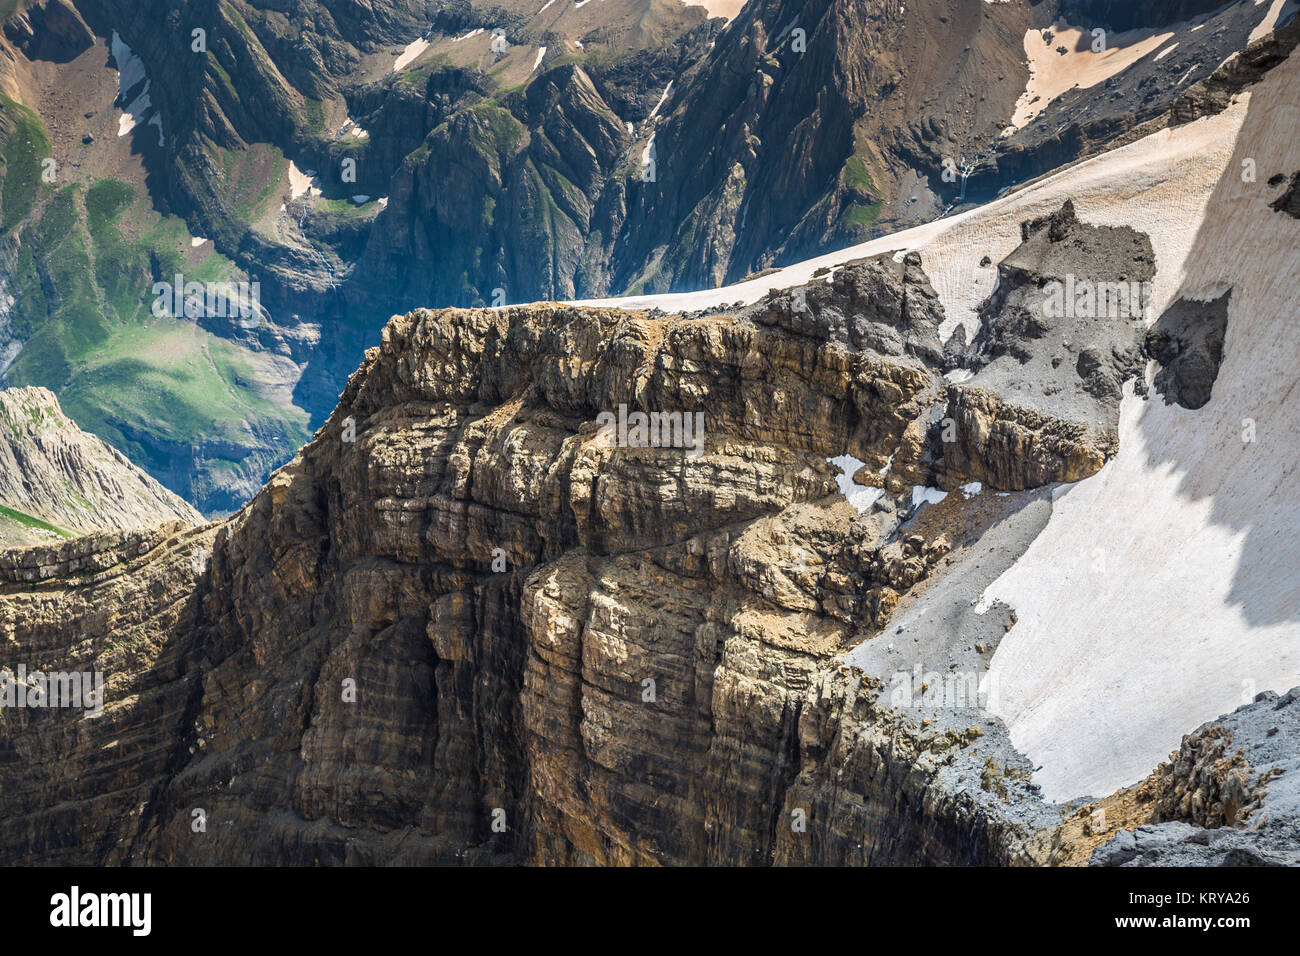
(491, 616)
(467, 623)
(624, 147)
(57, 481)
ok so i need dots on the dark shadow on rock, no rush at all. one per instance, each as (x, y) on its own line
(1289, 201)
(1187, 341)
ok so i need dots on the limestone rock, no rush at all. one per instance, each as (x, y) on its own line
(52, 471)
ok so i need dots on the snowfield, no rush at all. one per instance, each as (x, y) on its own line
(130, 74)
(410, 53)
(1164, 590)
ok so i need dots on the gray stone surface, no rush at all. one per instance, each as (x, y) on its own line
(1267, 732)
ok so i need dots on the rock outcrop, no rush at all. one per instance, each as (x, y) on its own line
(1289, 201)
(56, 481)
(474, 622)
(1228, 797)
(1187, 341)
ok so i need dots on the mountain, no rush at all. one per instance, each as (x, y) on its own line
(339, 164)
(56, 481)
(968, 544)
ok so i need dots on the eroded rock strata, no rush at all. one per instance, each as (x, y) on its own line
(1228, 797)
(463, 625)
(57, 481)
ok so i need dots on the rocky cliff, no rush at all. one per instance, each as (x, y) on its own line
(476, 620)
(356, 165)
(56, 481)
(766, 574)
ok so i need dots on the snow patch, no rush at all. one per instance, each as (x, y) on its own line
(411, 52)
(353, 128)
(921, 495)
(726, 9)
(1271, 18)
(9, 345)
(667, 89)
(1053, 74)
(861, 497)
(303, 183)
(130, 74)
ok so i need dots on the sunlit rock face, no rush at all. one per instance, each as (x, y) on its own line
(803, 570)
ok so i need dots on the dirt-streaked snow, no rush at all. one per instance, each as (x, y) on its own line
(411, 52)
(1052, 73)
(1162, 591)
(302, 183)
